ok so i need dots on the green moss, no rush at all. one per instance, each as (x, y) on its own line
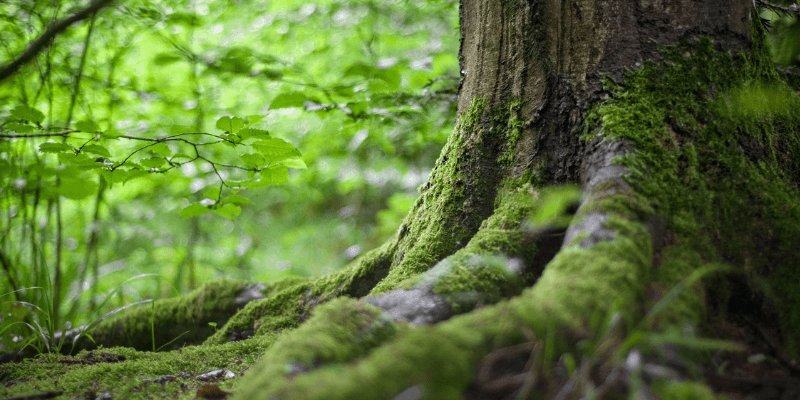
(674, 390)
(609, 271)
(131, 377)
(488, 268)
(437, 362)
(339, 331)
(716, 138)
(288, 302)
(678, 262)
(426, 235)
(471, 280)
(506, 118)
(183, 320)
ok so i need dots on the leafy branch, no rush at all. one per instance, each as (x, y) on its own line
(264, 155)
(47, 37)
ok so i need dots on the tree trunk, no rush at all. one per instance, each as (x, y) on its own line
(670, 119)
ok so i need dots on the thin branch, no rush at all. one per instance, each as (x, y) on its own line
(45, 39)
(33, 135)
(792, 8)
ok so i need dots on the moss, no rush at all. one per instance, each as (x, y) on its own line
(183, 320)
(719, 164)
(471, 280)
(425, 235)
(674, 390)
(677, 262)
(490, 267)
(127, 373)
(284, 303)
(506, 118)
(288, 302)
(464, 182)
(339, 331)
(437, 362)
(620, 261)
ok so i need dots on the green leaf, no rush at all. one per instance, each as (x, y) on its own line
(112, 133)
(287, 100)
(248, 133)
(179, 155)
(28, 114)
(184, 18)
(19, 128)
(390, 76)
(153, 162)
(82, 161)
(254, 119)
(87, 126)
(229, 124)
(275, 175)
(193, 210)
(76, 189)
(160, 149)
(357, 108)
(228, 211)
(275, 149)
(253, 160)
(133, 174)
(272, 176)
(55, 148)
(360, 69)
(211, 193)
(294, 163)
(272, 73)
(96, 149)
(236, 199)
(116, 176)
(166, 59)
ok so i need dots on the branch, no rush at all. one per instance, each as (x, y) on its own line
(792, 8)
(44, 40)
(32, 135)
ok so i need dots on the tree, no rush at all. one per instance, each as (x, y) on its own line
(683, 139)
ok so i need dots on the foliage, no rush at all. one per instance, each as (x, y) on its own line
(142, 141)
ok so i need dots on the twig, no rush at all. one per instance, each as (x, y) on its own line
(44, 40)
(32, 135)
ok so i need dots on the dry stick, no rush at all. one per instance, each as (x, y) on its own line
(45, 39)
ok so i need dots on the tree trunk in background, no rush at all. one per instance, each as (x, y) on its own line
(671, 120)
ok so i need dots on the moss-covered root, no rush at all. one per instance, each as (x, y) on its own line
(172, 323)
(437, 362)
(455, 285)
(337, 332)
(497, 263)
(289, 302)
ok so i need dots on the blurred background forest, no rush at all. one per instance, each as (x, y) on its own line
(158, 145)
